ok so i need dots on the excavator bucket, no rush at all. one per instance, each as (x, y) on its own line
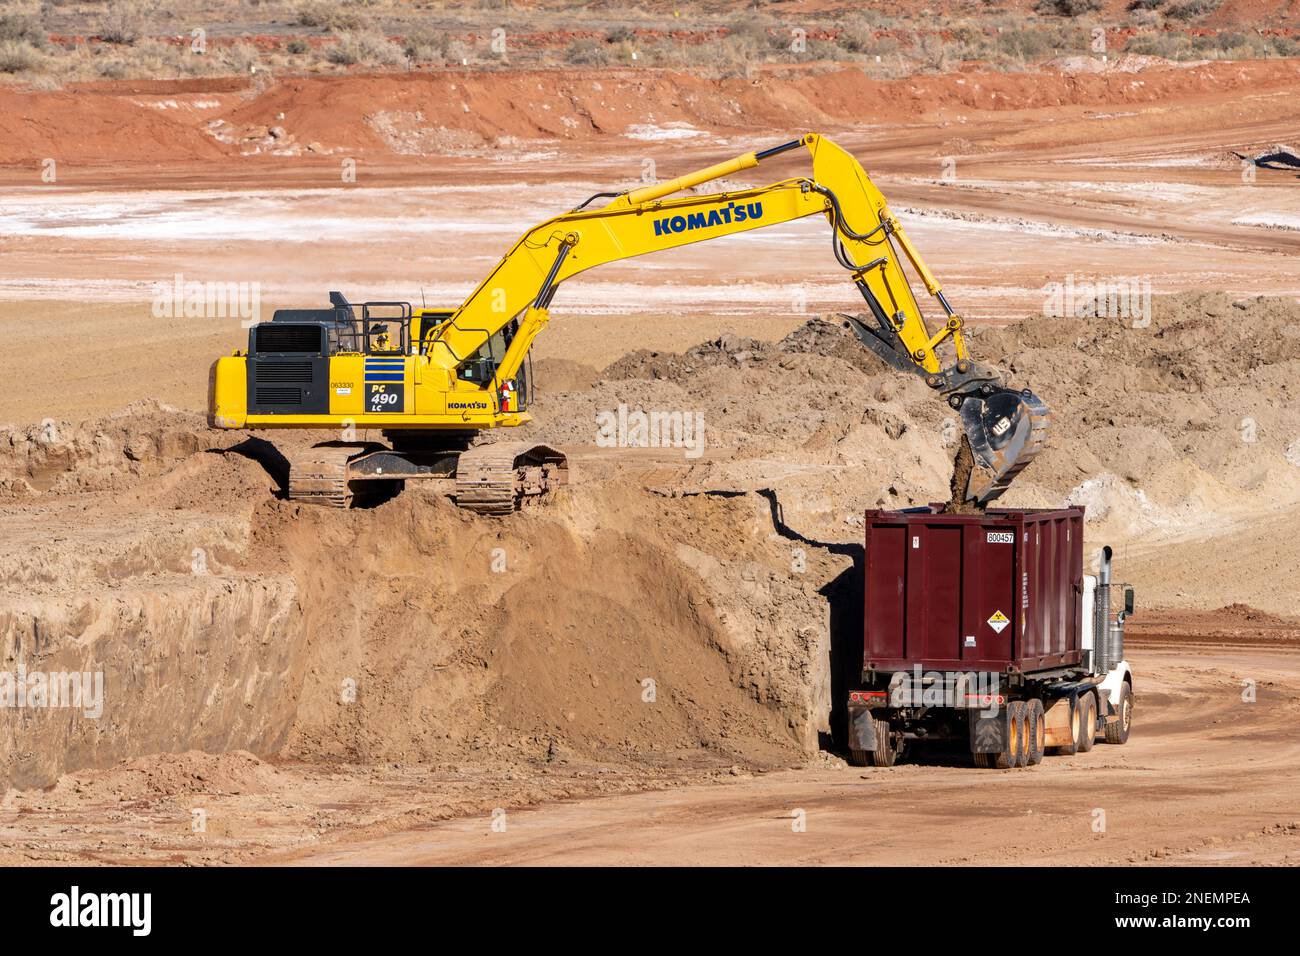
(1006, 429)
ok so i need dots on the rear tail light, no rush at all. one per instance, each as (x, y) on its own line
(865, 696)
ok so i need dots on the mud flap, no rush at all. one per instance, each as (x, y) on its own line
(1058, 722)
(862, 729)
(989, 735)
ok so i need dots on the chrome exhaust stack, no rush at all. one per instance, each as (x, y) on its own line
(1102, 644)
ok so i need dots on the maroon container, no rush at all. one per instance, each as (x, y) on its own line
(1000, 591)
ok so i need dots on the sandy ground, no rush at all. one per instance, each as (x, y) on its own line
(1214, 789)
(1157, 801)
(228, 619)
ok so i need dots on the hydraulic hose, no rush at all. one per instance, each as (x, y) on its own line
(840, 222)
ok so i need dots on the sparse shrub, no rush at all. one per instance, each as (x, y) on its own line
(241, 58)
(425, 46)
(364, 48)
(1286, 46)
(1170, 46)
(157, 59)
(585, 51)
(17, 56)
(1191, 9)
(459, 52)
(934, 53)
(298, 46)
(858, 36)
(1067, 8)
(111, 69)
(329, 15)
(23, 28)
(42, 83)
(753, 37)
(1023, 44)
(122, 23)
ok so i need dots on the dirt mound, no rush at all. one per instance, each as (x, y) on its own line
(1183, 417)
(614, 625)
(581, 627)
(820, 336)
(1233, 624)
(815, 398)
(165, 775)
(145, 438)
(110, 128)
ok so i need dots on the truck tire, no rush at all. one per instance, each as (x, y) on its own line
(884, 755)
(1013, 753)
(1117, 729)
(1035, 732)
(1020, 716)
(1065, 750)
(1087, 722)
(860, 758)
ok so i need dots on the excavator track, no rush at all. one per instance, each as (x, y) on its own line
(492, 479)
(319, 475)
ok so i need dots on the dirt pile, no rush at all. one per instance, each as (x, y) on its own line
(606, 624)
(611, 625)
(146, 438)
(1186, 418)
(175, 774)
(1189, 416)
(814, 416)
(38, 126)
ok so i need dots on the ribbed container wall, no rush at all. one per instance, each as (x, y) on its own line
(999, 591)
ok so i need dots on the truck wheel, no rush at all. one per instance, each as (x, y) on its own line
(884, 755)
(1020, 716)
(1013, 752)
(860, 758)
(1087, 722)
(982, 760)
(1066, 750)
(1117, 729)
(1035, 732)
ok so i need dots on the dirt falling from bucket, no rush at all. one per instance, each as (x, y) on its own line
(963, 466)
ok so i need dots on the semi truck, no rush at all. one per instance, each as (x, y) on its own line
(984, 631)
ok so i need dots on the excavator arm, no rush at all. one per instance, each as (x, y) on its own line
(1005, 428)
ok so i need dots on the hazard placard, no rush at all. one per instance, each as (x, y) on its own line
(998, 621)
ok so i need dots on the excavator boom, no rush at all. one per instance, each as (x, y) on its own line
(446, 374)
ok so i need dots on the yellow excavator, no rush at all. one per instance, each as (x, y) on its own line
(432, 380)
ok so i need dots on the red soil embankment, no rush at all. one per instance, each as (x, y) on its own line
(389, 114)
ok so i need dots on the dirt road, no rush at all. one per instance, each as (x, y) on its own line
(1205, 778)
